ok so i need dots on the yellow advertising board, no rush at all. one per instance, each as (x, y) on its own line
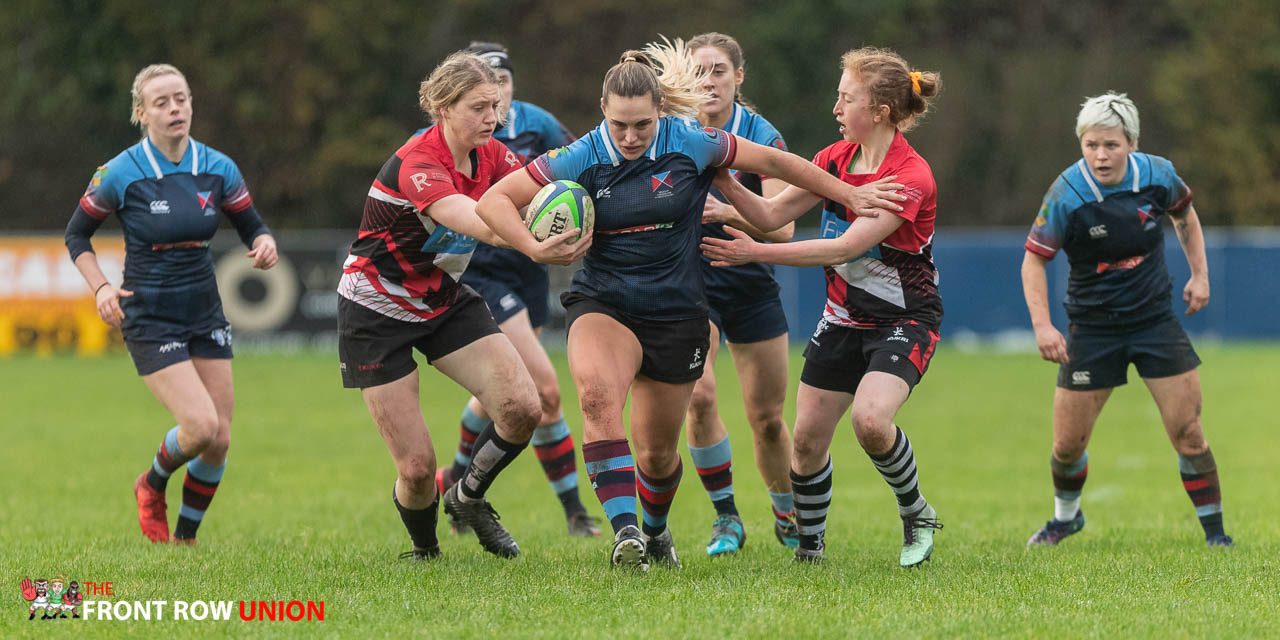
(45, 306)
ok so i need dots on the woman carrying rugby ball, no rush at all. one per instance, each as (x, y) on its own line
(637, 311)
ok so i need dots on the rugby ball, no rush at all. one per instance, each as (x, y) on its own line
(558, 207)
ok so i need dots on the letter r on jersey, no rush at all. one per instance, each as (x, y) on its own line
(420, 181)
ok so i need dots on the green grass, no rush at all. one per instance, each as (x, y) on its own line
(305, 513)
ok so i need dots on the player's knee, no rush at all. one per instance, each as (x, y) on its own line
(804, 449)
(1067, 452)
(767, 425)
(874, 433)
(702, 404)
(596, 403)
(1188, 437)
(549, 398)
(520, 412)
(201, 432)
(417, 472)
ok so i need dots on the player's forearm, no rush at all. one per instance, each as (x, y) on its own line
(781, 234)
(1191, 237)
(87, 264)
(1035, 288)
(501, 218)
(808, 253)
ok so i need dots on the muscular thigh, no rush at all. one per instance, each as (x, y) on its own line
(491, 369)
(762, 373)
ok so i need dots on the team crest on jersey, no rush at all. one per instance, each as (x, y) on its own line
(1144, 214)
(662, 181)
(555, 152)
(204, 197)
(512, 159)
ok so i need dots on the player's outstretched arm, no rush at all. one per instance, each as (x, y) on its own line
(867, 200)
(499, 209)
(717, 211)
(1191, 237)
(1035, 288)
(863, 234)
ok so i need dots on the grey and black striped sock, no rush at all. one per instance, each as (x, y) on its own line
(898, 466)
(812, 499)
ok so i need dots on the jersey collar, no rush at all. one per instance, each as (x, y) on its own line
(155, 165)
(736, 119)
(1093, 185)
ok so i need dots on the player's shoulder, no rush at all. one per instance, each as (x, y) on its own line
(424, 147)
(122, 169)
(909, 165)
(531, 111)
(499, 155)
(1067, 191)
(758, 128)
(1155, 169)
(838, 152)
(216, 161)
(683, 135)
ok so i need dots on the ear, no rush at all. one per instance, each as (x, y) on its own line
(602, 105)
(739, 76)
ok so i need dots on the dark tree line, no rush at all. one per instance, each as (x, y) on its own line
(311, 97)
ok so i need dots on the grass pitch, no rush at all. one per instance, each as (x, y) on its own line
(304, 513)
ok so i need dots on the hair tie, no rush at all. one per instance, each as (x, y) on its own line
(630, 59)
(915, 80)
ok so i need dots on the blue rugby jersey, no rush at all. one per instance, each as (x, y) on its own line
(529, 131)
(644, 259)
(1112, 238)
(753, 280)
(169, 211)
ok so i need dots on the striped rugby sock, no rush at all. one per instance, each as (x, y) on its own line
(656, 495)
(812, 498)
(553, 444)
(898, 467)
(168, 458)
(613, 476)
(471, 426)
(1200, 479)
(420, 523)
(1068, 482)
(784, 505)
(715, 468)
(197, 492)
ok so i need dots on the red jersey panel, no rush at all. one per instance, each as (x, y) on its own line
(895, 282)
(403, 264)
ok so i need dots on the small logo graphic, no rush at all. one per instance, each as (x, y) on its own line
(777, 142)
(55, 598)
(1080, 377)
(512, 159)
(822, 326)
(98, 176)
(159, 207)
(897, 336)
(603, 193)
(893, 358)
(659, 180)
(419, 181)
(203, 197)
(508, 302)
(1098, 231)
(172, 346)
(697, 358)
(1043, 217)
(1144, 213)
(342, 365)
(371, 367)
(1127, 263)
(555, 152)
(221, 336)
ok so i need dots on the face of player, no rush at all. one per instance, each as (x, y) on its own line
(854, 112)
(722, 82)
(166, 107)
(632, 123)
(1106, 150)
(472, 119)
(506, 87)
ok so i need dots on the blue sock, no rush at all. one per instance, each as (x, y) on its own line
(715, 468)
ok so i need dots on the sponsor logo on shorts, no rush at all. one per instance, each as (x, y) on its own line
(371, 367)
(603, 193)
(508, 302)
(342, 365)
(697, 358)
(897, 336)
(1098, 231)
(172, 346)
(893, 358)
(221, 336)
(822, 326)
(1080, 377)
(159, 206)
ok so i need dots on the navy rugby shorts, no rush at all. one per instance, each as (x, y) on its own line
(1099, 357)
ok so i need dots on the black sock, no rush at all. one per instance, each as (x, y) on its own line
(491, 455)
(421, 523)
